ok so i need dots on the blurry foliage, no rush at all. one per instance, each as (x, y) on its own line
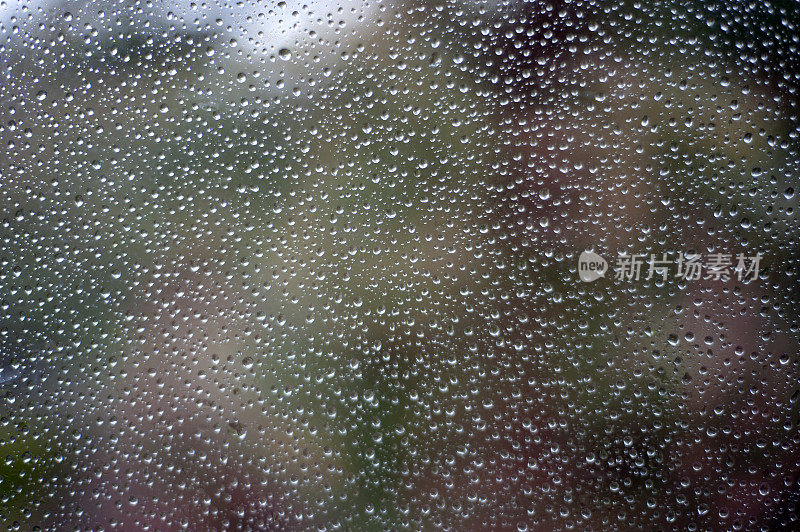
(333, 283)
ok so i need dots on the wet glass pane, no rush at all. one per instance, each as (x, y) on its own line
(403, 265)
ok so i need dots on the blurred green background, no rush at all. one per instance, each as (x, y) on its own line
(286, 266)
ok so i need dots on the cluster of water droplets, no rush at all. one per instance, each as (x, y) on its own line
(284, 265)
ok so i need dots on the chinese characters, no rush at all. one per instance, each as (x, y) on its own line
(688, 267)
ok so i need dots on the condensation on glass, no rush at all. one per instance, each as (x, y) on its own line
(457, 265)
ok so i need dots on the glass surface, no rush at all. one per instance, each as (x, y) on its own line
(456, 265)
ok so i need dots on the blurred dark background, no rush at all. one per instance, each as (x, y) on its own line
(314, 266)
